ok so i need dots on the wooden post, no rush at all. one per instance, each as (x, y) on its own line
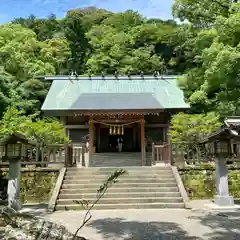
(91, 139)
(169, 144)
(142, 130)
(63, 121)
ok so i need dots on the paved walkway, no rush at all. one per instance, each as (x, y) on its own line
(198, 223)
(148, 224)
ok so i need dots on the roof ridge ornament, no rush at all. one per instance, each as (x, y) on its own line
(89, 76)
(129, 75)
(103, 76)
(156, 74)
(116, 75)
(75, 74)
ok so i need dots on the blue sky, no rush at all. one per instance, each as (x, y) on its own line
(10, 9)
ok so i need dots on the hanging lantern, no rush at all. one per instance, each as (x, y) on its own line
(122, 130)
(114, 130)
(118, 130)
(110, 130)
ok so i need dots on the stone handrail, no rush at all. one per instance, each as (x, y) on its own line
(55, 193)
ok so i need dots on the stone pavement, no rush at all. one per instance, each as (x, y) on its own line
(195, 223)
(148, 224)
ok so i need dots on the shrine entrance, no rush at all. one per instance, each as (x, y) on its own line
(107, 132)
(107, 139)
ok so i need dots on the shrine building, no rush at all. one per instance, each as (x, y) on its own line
(100, 110)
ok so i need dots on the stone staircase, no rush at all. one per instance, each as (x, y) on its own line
(123, 159)
(140, 188)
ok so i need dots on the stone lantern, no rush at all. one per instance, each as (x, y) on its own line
(13, 152)
(218, 146)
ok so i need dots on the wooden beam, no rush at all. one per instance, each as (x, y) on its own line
(157, 125)
(142, 130)
(91, 139)
(76, 126)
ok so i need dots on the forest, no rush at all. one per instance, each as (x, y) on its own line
(203, 47)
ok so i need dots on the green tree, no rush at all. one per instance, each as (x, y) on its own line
(213, 84)
(42, 131)
(202, 13)
(75, 33)
(44, 28)
(192, 128)
(23, 58)
(90, 16)
(46, 131)
(124, 21)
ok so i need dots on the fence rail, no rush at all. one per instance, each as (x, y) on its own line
(64, 154)
(161, 153)
(192, 153)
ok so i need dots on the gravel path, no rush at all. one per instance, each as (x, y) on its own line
(150, 224)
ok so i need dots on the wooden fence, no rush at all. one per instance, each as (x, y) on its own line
(188, 153)
(50, 155)
(192, 153)
(161, 153)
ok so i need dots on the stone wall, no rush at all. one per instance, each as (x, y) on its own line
(36, 184)
(199, 181)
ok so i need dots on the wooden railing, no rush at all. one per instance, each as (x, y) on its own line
(64, 154)
(79, 155)
(161, 153)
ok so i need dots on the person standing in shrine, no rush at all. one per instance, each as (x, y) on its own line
(120, 143)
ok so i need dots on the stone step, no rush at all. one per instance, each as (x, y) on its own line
(120, 190)
(121, 180)
(111, 170)
(116, 160)
(140, 187)
(118, 185)
(143, 168)
(124, 200)
(123, 206)
(125, 158)
(128, 174)
(87, 196)
(115, 165)
(124, 177)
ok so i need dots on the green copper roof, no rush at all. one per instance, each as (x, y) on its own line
(109, 93)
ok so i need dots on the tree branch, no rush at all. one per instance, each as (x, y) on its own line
(101, 191)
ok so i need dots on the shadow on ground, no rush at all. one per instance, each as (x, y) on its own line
(225, 226)
(119, 228)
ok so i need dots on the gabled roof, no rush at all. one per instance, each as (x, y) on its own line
(111, 93)
(230, 130)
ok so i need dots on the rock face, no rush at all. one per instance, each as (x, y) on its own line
(26, 227)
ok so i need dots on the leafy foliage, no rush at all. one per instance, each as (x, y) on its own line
(89, 40)
(43, 131)
(23, 58)
(191, 128)
(211, 83)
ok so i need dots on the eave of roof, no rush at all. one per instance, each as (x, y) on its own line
(113, 93)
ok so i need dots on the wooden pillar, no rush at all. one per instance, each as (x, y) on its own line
(169, 144)
(142, 130)
(63, 121)
(91, 140)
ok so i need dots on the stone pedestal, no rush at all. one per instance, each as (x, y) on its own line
(14, 178)
(222, 198)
